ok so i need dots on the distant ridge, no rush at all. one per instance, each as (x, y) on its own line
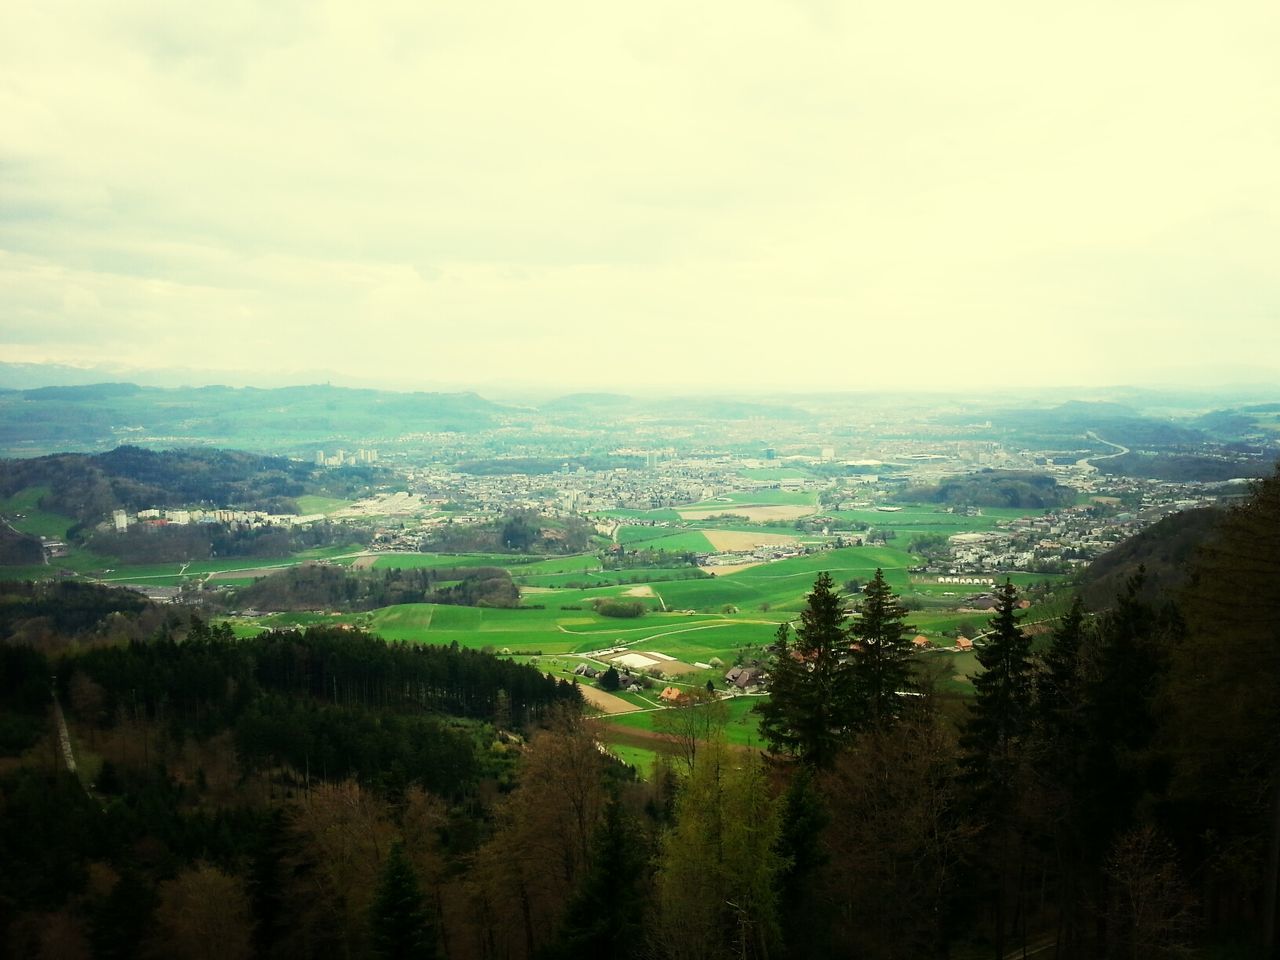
(585, 401)
(95, 417)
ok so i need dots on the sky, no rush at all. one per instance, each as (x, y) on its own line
(732, 196)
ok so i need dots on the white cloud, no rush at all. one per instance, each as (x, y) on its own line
(719, 194)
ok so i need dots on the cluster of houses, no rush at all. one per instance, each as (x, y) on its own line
(121, 520)
(746, 679)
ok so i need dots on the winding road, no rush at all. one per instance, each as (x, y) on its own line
(1086, 463)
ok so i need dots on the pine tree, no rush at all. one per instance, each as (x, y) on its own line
(801, 848)
(1058, 748)
(1059, 679)
(401, 926)
(604, 918)
(881, 665)
(999, 719)
(1000, 714)
(806, 714)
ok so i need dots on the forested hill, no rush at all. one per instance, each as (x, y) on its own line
(995, 488)
(54, 614)
(88, 487)
(77, 418)
(317, 587)
(1164, 552)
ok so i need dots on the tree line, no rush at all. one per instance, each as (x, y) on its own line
(87, 487)
(1110, 790)
(323, 587)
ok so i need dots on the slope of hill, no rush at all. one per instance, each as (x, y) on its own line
(93, 416)
(1165, 551)
(88, 487)
(995, 488)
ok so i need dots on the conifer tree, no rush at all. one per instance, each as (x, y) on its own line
(604, 919)
(401, 926)
(1000, 714)
(1058, 749)
(880, 668)
(994, 737)
(1059, 679)
(806, 714)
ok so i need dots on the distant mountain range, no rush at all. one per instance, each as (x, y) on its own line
(49, 408)
(101, 416)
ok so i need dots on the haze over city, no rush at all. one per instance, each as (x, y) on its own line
(720, 197)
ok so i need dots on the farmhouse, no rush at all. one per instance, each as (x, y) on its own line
(747, 679)
(671, 695)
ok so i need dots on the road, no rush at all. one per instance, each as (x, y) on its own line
(1087, 464)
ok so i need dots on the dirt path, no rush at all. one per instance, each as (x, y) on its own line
(64, 737)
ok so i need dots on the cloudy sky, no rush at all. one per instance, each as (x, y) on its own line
(726, 194)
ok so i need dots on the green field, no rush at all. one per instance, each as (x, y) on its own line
(742, 723)
(33, 520)
(520, 566)
(757, 498)
(325, 505)
(551, 631)
(155, 573)
(630, 535)
(663, 538)
(626, 575)
(784, 584)
(659, 514)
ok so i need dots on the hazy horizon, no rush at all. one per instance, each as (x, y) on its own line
(727, 198)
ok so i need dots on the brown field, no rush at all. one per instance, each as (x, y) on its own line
(754, 514)
(668, 668)
(730, 540)
(720, 571)
(652, 740)
(604, 702)
(365, 562)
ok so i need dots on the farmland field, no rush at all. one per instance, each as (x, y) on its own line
(687, 541)
(757, 498)
(325, 505)
(519, 566)
(33, 520)
(742, 723)
(659, 514)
